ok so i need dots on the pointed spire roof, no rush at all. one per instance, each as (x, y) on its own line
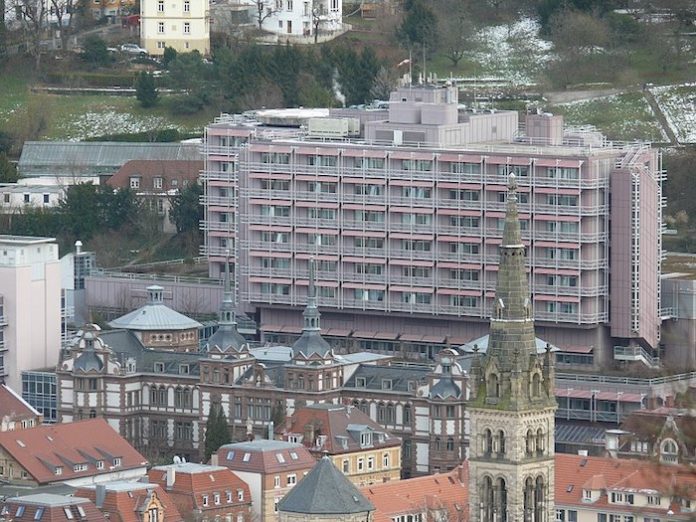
(512, 326)
(325, 491)
(227, 336)
(311, 342)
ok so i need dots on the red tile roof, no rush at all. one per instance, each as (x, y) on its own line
(40, 450)
(194, 481)
(15, 409)
(183, 171)
(333, 421)
(443, 491)
(126, 501)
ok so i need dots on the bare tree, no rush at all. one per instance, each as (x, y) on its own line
(33, 16)
(64, 11)
(457, 31)
(265, 9)
(318, 16)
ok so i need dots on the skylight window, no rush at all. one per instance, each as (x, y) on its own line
(280, 458)
(247, 457)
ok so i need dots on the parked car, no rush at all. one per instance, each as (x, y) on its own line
(133, 49)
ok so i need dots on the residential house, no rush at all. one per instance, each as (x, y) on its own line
(15, 412)
(325, 494)
(183, 25)
(204, 492)
(122, 501)
(357, 445)
(156, 182)
(271, 468)
(62, 453)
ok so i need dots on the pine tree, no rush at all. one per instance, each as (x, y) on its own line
(145, 90)
(216, 430)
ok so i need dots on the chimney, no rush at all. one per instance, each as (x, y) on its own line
(171, 477)
(612, 442)
(78, 247)
(100, 495)
(214, 459)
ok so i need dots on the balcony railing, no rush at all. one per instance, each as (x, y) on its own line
(218, 201)
(218, 175)
(217, 226)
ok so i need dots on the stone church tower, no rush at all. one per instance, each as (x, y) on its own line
(512, 405)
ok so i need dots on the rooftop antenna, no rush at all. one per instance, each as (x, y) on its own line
(410, 68)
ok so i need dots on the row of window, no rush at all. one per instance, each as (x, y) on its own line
(365, 464)
(423, 165)
(186, 28)
(217, 498)
(7, 198)
(186, 6)
(183, 397)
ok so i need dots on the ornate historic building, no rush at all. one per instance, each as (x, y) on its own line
(158, 395)
(512, 405)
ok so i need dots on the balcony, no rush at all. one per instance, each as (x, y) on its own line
(210, 251)
(218, 175)
(583, 291)
(3, 346)
(219, 201)
(636, 353)
(218, 226)
(574, 318)
(269, 246)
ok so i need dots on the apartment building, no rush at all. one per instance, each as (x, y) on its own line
(405, 220)
(183, 25)
(30, 306)
(298, 17)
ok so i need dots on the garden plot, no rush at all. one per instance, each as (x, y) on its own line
(678, 104)
(625, 116)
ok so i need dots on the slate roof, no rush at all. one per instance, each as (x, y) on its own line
(311, 342)
(400, 376)
(325, 491)
(261, 456)
(446, 388)
(126, 345)
(154, 316)
(566, 433)
(41, 449)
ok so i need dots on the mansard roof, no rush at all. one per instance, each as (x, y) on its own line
(400, 376)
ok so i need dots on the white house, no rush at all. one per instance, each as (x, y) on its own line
(181, 24)
(299, 17)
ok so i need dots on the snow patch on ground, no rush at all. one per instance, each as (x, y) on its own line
(513, 52)
(678, 104)
(92, 124)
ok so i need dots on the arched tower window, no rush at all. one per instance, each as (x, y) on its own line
(487, 500)
(540, 442)
(501, 443)
(530, 443)
(539, 498)
(501, 510)
(528, 499)
(487, 442)
(493, 385)
(536, 385)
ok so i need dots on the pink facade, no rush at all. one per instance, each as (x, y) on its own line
(406, 236)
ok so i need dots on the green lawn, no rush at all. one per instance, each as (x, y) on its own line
(623, 117)
(76, 117)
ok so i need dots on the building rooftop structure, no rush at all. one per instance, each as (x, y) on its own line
(335, 429)
(123, 501)
(264, 456)
(51, 158)
(154, 315)
(160, 176)
(51, 508)
(325, 491)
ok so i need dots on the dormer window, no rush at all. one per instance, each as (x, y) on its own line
(360, 382)
(159, 367)
(386, 384)
(366, 438)
(117, 461)
(669, 452)
(587, 494)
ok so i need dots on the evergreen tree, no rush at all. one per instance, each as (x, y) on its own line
(187, 212)
(216, 430)
(8, 172)
(145, 90)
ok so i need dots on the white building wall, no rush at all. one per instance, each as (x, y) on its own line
(30, 282)
(181, 24)
(295, 17)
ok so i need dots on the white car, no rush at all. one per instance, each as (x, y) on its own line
(133, 49)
